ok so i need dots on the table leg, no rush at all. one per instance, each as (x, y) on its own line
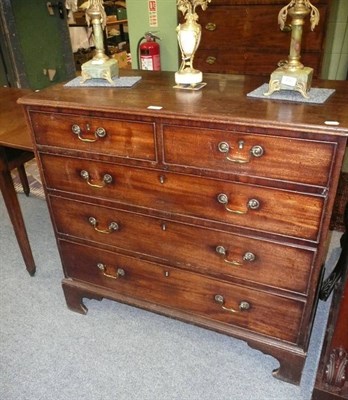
(24, 179)
(11, 201)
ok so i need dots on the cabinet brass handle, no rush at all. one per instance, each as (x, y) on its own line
(243, 305)
(99, 133)
(256, 151)
(211, 26)
(113, 226)
(210, 60)
(248, 257)
(119, 272)
(107, 178)
(252, 204)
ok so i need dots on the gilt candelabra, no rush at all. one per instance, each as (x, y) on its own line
(292, 74)
(101, 66)
(189, 37)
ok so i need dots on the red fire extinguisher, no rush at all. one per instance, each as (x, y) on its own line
(149, 53)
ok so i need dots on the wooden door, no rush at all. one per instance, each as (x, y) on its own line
(36, 41)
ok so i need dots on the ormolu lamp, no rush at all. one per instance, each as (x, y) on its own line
(293, 75)
(189, 37)
(101, 66)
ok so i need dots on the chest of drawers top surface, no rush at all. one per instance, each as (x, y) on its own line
(223, 100)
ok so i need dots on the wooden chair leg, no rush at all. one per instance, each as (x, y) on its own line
(24, 179)
(15, 213)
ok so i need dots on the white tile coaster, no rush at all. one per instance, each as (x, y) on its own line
(316, 95)
(124, 81)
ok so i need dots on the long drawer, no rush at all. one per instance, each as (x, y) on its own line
(253, 310)
(263, 156)
(249, 24)
(246, 60)
(125, 139)
(208, 251)
(276, 211)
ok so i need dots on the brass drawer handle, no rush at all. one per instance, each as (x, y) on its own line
(210, 60)
(256, 151)
(119, 272)
(107, 179)
(248, 257)
(243, 305)
(99, 133)
(253, 204)
(211, 26)
(113, 226)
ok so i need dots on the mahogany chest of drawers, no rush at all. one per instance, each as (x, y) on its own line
(206, 206)
(243, 37)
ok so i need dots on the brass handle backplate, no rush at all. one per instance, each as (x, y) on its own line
(248, 257)
(119, 272)
(99, 133)
(253, 204)
(113, 226)
(210, 26)
(243, 305)
(210, 60)
(255, 151)
(107, 179)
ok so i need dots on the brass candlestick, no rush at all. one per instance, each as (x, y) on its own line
(101, 66)
(293, 75)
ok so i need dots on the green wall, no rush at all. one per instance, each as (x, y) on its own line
(138, 24)
(3, 75)
(40, 37)
(335, 63)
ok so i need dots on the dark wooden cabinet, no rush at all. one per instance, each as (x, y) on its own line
(243, 37)
(332, 375)
(207, 206)
(331, 382)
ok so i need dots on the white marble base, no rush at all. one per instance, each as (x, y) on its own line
(188, 77)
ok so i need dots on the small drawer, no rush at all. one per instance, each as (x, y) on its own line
(289, 159)
(103, 180)
(126, 139)
(255, 311)
(211, 252)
